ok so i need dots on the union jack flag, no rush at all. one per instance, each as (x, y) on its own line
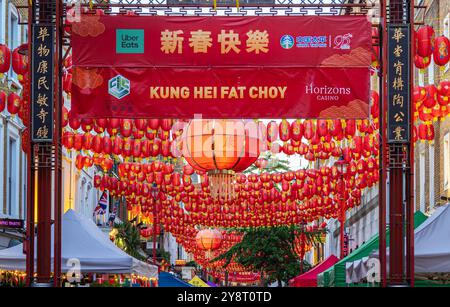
(102, 204)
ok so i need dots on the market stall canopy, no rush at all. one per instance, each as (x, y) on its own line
(431, 243)
(198, 282)
(336, 275)
(82, 240)
(309, 279)
(166, 279)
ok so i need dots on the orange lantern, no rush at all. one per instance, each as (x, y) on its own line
(208, 239)
(221, 148)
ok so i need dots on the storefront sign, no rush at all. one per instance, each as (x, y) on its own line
(221, 67)
(11, 223)
(42, 83)
(398, 83)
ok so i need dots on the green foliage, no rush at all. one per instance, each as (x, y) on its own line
(128, 238)
(106, 284)
(163, 255)
(275, 165)
(269, 250)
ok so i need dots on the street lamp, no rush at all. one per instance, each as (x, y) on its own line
(342, 165)
(155, 193)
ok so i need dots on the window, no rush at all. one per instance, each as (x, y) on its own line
(431, 71)
(431, 169)
(2, 21)
(13, 33)
(11, 189)
(446, 160)
(421, 79)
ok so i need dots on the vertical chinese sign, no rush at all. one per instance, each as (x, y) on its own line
(398, 83)
(42, 83)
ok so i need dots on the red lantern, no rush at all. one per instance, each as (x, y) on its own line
(419, 94)
(441, 50)
(444, 88)
(65, 117)
(13, 103)
(117, 146)
(425, 41)
(431, 97)
(79, 162)
(68, 140)
(5, 59)
(309, 129)
(126, 127)
(322, 127)
(3, 99)
(284, 130)
(19, 62)
(127, 147)
(421, 62)
(97, 144)
(87, 141)
(74, 122)
(297, 130)
(350, 128)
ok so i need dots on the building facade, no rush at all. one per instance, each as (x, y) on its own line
(12, 159)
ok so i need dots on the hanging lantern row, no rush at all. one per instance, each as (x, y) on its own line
(18, 62)
(127, 148)
(102, 161)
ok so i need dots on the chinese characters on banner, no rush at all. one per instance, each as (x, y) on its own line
(221, 67)
(42, 83)
(398, 83)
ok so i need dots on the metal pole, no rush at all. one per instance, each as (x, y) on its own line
(410, 196)
(342, 215)
(154, 232)
(57, 148)
(383, 145)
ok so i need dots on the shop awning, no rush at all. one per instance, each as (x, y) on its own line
(168, 280)
(83, 241)
(309, 279)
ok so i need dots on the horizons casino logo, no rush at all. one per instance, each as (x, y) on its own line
(327, 93)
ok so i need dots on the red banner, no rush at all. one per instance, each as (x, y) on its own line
(221, 67)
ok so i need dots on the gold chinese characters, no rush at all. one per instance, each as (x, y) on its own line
(201, 41)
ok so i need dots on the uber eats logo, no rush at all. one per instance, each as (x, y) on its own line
(129, 41)
(119, 86)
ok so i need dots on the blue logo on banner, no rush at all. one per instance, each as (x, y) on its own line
(287, 41)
